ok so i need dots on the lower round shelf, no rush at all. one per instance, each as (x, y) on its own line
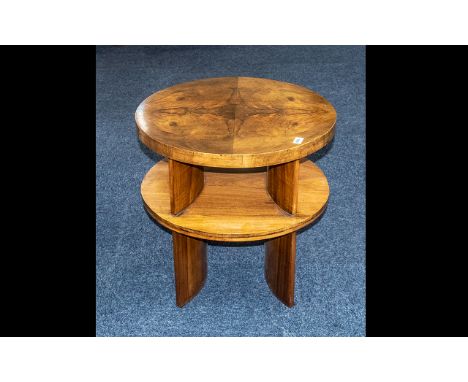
(235, 205)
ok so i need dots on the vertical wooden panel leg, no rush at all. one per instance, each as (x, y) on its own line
(280, 253)
(186, 182)
(280, 267)
(190, 267)
(282, 184)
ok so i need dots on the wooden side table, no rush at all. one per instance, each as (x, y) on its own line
(235, 171)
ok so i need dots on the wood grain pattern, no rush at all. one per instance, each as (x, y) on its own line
(280, 253)
(235, 122)
(280, 267)
(234, 205)
(186, 182)
(190, 267)
(282, 184)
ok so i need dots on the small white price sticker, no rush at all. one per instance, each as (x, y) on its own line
(298, 140)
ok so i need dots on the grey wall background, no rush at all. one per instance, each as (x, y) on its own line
(135, 286)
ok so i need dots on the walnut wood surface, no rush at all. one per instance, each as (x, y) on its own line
(235, 122)
(280, 267)
(282, 184)
(280, 253)
(234, 205)
(190, 267)
(185, 182)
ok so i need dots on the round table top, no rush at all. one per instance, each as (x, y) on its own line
(235, 122)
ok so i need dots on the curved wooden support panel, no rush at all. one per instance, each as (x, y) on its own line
(280, 267)
(186, 182)
(280, 253)
(282, 185)
(190, 267)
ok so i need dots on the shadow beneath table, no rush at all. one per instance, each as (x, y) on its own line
(311, 225)
(322, 152)
(150, 153)
(235, 243)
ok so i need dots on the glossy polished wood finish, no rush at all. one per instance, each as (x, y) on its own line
(230, 124)
(282, 184)
(235, 205)
(185, 182)
(235, 122)
(190, 267)
(280, 267)
(280, 253)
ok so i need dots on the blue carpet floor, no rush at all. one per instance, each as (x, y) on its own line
(135, 286)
